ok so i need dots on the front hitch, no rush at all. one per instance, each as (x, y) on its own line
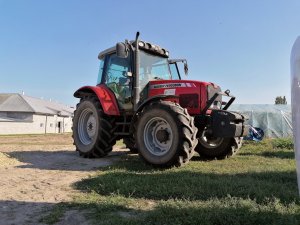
(228, 124)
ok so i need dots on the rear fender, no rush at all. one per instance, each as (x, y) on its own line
(105, 95)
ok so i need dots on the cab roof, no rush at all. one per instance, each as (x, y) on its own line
(106, 52)
(153, 48)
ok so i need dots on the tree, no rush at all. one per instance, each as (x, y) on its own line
(280, 100)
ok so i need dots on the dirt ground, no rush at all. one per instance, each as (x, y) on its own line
(37, 171)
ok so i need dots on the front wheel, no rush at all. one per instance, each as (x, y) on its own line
(217, 147)
(165, 134)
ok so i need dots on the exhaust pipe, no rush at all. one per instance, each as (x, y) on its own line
(136, 84)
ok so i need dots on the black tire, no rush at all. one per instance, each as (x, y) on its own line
(175, 138)
(96, 140)
(217, 148)
(130, 144)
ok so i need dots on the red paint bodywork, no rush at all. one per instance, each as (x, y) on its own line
(161, 87)
(106, 97)
(156, 87)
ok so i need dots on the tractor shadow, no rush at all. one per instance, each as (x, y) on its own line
(21, 212)
(63, 160)
(40, 213)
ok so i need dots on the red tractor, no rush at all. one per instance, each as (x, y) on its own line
(141, 98)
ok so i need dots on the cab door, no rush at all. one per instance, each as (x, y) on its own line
(118, 77)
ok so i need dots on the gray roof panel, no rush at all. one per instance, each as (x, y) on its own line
(14, 103)
(23, 103)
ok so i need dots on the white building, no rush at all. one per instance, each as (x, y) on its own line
(21, 114)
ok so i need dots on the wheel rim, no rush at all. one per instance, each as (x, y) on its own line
(210, 142)
(87, 126)
(158, 136)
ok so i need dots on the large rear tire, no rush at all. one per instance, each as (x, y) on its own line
(165, 134)
(217, 148)
(92, 129)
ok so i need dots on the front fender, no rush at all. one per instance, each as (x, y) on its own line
(105, 95)
(172, 98)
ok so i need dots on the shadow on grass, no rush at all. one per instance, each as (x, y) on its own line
(282, 154)
(227, 211)
(178, 184)
(206, 213)
(171, 212)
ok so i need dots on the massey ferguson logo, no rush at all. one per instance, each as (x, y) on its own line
(172, 85)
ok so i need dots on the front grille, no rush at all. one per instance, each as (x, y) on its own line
(211, 91)
(189, 100)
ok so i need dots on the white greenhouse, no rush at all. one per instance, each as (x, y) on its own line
(274, 120)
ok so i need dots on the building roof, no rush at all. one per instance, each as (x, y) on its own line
(23, 103)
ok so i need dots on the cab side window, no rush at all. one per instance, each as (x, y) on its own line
(116, 77)
(116, 68)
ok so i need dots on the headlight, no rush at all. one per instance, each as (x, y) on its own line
(216, 105)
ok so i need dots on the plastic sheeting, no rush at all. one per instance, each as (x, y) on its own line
(295, 91)
(274, 120)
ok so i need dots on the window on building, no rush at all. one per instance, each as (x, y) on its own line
(41, 124)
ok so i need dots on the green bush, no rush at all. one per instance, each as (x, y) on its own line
(283, 143)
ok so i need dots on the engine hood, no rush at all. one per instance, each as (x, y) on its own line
(157, 84)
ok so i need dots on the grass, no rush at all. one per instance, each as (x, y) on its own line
(283, 143)
(56, 213)
(258, 186)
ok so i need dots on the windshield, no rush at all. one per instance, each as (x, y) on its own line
(153, 67)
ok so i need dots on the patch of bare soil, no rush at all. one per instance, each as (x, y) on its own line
(37, 171)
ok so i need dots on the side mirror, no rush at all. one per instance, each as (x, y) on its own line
(122, 50)
(186, 68)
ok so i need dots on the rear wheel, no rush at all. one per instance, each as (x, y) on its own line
(165, 134)
(220, 148)
(130, 144)
(92, 129)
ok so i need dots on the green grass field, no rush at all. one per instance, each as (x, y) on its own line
(257, 186)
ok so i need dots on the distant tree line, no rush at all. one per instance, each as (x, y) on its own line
(280, 100)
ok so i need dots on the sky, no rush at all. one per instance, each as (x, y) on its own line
(49, 48)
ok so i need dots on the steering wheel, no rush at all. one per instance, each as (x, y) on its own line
(113, 86)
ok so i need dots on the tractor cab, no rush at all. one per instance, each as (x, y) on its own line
(117, 72)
